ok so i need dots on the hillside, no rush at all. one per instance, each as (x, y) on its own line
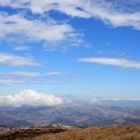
(16, 133)
(119, 132)
(96, 133)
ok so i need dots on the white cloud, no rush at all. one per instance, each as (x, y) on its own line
(19, 77)
(22, 73)
(30, 98)
(52, 73)
(36, 30)
(111, 12)
(14, 60)
(7, 81)
(26, 77)
(121, 62)
(68, 7)
(101, 100)
(48, 31)
(22, 48)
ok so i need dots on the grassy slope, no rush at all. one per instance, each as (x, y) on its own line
(96, 133)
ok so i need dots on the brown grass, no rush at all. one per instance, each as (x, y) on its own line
(96, 133)
(120, 132)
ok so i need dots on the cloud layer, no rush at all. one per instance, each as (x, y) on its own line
(111, 12)
(120, 62)
(32, 22)
(30, 98)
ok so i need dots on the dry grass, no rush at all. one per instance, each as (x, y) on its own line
(121, 132)
(96, 133)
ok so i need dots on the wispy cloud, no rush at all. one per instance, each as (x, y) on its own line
(26, 74)
(14, 60)
(30, 98)
(34, 29)
(120, 62)
(24, 77)
(53, 73)
(9, 81)
(22, 48)
(19, 77)
(111, 12)
(49, 31)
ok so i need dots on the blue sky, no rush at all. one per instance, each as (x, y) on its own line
(81, 47)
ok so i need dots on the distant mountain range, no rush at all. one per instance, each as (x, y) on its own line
(79, 114)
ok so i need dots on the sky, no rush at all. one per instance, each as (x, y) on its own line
(69, 48)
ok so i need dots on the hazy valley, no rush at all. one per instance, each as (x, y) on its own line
(81, 114)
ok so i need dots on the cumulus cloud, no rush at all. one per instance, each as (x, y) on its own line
(14, 60)
(111, 12)
(30, 98)
(120, 62)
